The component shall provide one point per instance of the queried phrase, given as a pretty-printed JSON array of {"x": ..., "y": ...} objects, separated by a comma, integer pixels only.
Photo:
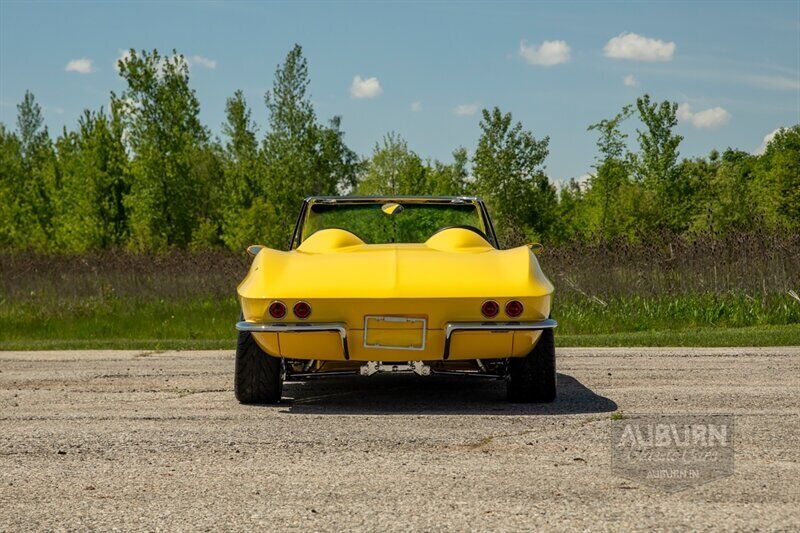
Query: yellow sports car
[{"x": 400, "y": 284}]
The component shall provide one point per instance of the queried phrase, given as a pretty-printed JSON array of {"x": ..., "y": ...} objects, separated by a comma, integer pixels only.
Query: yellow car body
[{"x": 395, "y": 302}]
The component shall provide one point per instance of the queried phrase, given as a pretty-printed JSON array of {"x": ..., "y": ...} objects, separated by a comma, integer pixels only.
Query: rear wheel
[
  {"x": 532, "y": 379},
  {"x": 258, "y": 376}
]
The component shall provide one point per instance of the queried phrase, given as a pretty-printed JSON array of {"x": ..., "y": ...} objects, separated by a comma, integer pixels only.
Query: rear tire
[
  {"x": 532, "y": 379},
  {"x": 258, "y": 377}
]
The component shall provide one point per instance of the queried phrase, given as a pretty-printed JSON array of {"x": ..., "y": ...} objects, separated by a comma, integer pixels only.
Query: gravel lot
[{"x": 144, "y": 440}]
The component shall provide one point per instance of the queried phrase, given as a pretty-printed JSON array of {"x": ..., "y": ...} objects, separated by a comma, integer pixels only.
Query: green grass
[
  {"x": 745, "y": 336},
  {"x": 142, "y": 323},
  {"x": 578, "y": 315},
  {"x": 693, "y": 320}
]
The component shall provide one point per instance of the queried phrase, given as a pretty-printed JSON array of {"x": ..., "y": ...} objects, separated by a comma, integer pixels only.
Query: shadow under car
[{"x": 408, "y": 394}]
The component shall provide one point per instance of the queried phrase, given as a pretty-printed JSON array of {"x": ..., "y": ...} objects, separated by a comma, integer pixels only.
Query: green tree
[
  {"x": 40, "y": 175},
  {"x": 173, "y": 184},
  {"x": 672, "y": 194},
  {"x": 93, "y": 165},
  {"x": 509, "y": 175},
  {"x": 715, "y": 198},
  {"x": 658, "y": 158},
  {"x": 245, "y": 190},
  {"x": 450, "y": 179},
  {"x": 336, "y": 160},
  {"x": 32, "y": 132},
  {"x": 301, "y": 156},
  {"x": 570, "y": 224},
  {"x": 607, "y": 215},
  {"x": 778, "y": 180},
  {"x": 394, "y": 169},
  {"x": 29, "y": 179},
  {"x": 16, "y": 216}
]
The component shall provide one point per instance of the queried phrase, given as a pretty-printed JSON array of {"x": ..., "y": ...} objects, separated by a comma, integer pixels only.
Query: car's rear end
[
  {"x": 453, "y": 303},
  {"x": 390, "y": 329}
]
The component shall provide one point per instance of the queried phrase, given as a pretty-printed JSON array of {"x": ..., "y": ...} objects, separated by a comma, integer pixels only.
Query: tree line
[{"x": 147, "y": 175}]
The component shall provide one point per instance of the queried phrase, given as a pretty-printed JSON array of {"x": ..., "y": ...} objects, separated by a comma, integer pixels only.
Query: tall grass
[
  {"x": 664, "y": 284},
  {"x": 111, "y": 274},
  {"x": 751, "y": 263}
]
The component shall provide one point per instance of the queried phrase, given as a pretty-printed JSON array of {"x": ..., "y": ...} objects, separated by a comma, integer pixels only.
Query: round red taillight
[
  {"x": 490, "y": 308},
  {"x": 514, "y": 308},
  {"x": 277, "y": 309},
  {"x": 301, "y": 310}
]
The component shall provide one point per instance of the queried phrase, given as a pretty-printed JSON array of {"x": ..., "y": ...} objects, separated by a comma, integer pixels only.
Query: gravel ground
[{"x": 147, "y": 440}]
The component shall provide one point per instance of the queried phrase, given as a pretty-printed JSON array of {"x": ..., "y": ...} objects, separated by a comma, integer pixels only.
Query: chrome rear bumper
[
  {"x": 452, "y": 327},
  {"x": 449, "y": 329},
  {"x": 338, "y": 327}
]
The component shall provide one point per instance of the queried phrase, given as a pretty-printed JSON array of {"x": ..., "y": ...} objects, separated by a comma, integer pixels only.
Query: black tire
[
  {"x": 532, "y": 379},
  {"x": 258, "y": 377}
]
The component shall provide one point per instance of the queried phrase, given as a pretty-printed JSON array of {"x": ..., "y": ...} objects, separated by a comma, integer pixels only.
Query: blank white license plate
[{"x": 395, "y": 332}]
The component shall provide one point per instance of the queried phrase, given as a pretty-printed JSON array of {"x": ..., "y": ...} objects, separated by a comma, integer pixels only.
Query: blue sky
[{"x": 735, "y": 66}]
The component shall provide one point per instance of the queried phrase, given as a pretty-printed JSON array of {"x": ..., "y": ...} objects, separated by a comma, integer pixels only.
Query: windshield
[{"x": 375, "y": 224}]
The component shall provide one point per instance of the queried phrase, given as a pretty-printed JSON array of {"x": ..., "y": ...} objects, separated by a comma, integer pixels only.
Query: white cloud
[
  {"x": 684, "y": 112},
  {"x": 767, "y": 139},
  {"x": 416, "y": 107},
  {"x": 201, "y": 61},
  {"x": 365, "y": 88},
  {"x": 81, "y": 66},
  {"x": 630, "y": 81},
  {"x": 711, "y": 118},
  {"x": 706, "y": 119},
  {"x": 774, "y": 82},
  {"x": 547, "y": 54},
  {"x": 464, "y": 110},
  {"x": 639, "y": 48}
]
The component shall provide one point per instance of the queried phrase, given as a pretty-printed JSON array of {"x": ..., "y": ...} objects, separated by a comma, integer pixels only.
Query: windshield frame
[{"x": 352, "y": 200}]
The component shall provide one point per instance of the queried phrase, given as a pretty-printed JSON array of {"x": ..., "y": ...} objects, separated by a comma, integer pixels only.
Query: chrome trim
[
  {"x": 334, "y": 200},
  {"x": 487, "y": 222},
  {"x": 341, "y": 328},
  {"x": 373, "y": 367},
  {"x": 452, "y": 327},
  {"x": 425, "y": 369},
  {"x": 253, "y": 249},
  {"x": 397, "y": 319},
  {"x": 382, "y": 199},
  {"x": 467, "y": 373},
  {"x": 304, "y": 327},
  {"x": 314, "y": 375}
]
